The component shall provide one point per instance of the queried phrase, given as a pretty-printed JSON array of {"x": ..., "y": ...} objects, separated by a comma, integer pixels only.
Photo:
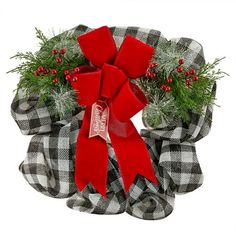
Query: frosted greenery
[{"x": 165, "y": 108}]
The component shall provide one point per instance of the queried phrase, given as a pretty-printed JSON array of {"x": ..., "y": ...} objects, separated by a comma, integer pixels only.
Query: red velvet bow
[{"x": 107, "y": 82}]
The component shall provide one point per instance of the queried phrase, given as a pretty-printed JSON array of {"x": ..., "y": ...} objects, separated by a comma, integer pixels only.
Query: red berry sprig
[
  {"x": 150, "y": 73},
  {"x": 77, "y": 70},
  {"x": 55, "y": 51},
  {"x": 58, "y": 60},
  {"x": 66, "y": 72},
  {"x": 36, "y": 73},
  {"x": 192, "y": 72},
  {"x": 189, "y": 75},
  {"x": 53, "y": 71},
  {"x": 188, "y": 82},
  {"x": 46, "y": 71},
  {"x": 68, "y": 77},
  {"x": 181, "y": 61},
  {"x": 39, "y": 71},
  {"x": 152, "y": 65},
  {"x": 74, "y": 79},
  {"x": 62, "y": 51},
  {"x": 55, "y": 80},
  {"x": 180, "y": 69},
  {"x": 169, "y": 80},
  {"x": 166, "y": 88}
]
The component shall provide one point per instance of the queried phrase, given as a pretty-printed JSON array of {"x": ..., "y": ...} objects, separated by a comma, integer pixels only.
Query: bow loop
[
  {"x": 98, "y": 46},
  {"x": 128, "y": 102},
  {"x": 133, "y": 57}
]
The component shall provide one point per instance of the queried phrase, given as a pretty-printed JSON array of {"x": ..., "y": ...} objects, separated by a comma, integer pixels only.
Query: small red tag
[{"x": 99, "y": 120}]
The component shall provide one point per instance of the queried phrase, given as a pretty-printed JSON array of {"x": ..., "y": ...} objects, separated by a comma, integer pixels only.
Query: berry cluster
[
  {"x": 41, "y": 71},
  {"x": 166, "y": 87},
  {"x": 59, "y": 52},
  {"x": 189, "y": 75},
  {"x": 150, "y": 73},
  {"x": 69, "y": 74}
]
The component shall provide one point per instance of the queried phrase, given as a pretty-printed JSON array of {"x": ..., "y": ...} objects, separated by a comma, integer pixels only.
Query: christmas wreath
[{"x": 78, "y": 93}]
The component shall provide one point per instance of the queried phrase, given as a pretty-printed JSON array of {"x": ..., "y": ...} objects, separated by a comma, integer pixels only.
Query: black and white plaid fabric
[{"x": 49, "y": 164}]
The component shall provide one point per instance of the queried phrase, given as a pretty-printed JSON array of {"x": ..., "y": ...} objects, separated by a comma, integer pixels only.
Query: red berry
[
  {"x": 77, "y": 69},
  {"x": 195, "y": 78},
  {"x": 181, "y": 61},
  {"x": 168, "y": 88},
  {"x": 68, "y": 77},
  {"x": 66, "y": 72},
  {"x": 53, "y": 71},
  {"x": 54, "y": 51},
  {"x": 155, "y": 64},
  {"x": 152, "y": 65},
  {"x": 188, "y": 82},
  {"x": 180, "y": 69},
  {"x": 46, "y": 71},
  {"x": 153, "y": 75},
  {"x": 40, "y": 69},
  {"x": 163, "y": 87},
  {"x": 36, "y": 73},
  {"x": 148, "y": 74},
  {"x": 186, "y": 73},
  {"x": 192, "y": 72},
  {"x": 74, "y": 79},
  {"x": 58, "y": 60},
  {"x": 55, "y": 80},
  {"x": 169, "y": 80},
  {"x": 63, "y": 51}
]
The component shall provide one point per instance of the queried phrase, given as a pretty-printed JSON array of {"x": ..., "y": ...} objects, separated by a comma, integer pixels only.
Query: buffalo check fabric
[{"x": 49, "y": 163}]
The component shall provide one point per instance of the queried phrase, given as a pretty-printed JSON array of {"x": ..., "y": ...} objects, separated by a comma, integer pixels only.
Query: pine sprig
[
  {"x": 43, "y": 40},
  {"x": 174, "y": 87},
  {"x": 63, "y": 101},
  {"x": 56, "y": 55}
]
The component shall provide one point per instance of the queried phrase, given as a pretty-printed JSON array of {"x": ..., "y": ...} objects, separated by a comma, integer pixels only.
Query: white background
[{"x": 210, "y": 209}]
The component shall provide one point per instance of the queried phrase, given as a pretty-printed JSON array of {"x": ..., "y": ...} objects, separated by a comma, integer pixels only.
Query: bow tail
[
  {"x": 91, "y": 161},
  {"x": 132, "y": 155}
]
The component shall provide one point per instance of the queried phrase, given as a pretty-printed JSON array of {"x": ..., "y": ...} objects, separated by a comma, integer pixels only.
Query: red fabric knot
[{"x": 105, "y": 89}]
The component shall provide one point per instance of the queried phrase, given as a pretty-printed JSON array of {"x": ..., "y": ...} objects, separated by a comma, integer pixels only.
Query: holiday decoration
[
  {"x": 109, "y": 85},
  {"x": 77, "y": 95}
]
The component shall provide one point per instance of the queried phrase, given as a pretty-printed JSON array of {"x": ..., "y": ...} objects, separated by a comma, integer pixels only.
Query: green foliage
[
  {"x": 42, "y": 83},
  {"x": 63, "y": 101},
  {"x": 182, "y": 93},
  {"x": 159, "y": 113},
  {"x": 166, "y": 107}
]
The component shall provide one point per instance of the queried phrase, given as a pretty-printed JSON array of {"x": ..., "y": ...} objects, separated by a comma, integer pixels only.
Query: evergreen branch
[
  {"x": 43, "y": 39},
  {"x": 184, "y": 94},
  {"x": 34, "y": 82}
]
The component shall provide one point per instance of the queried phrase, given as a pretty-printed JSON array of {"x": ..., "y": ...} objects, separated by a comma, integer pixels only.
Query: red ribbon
[{"x": 107, "y": 80}]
